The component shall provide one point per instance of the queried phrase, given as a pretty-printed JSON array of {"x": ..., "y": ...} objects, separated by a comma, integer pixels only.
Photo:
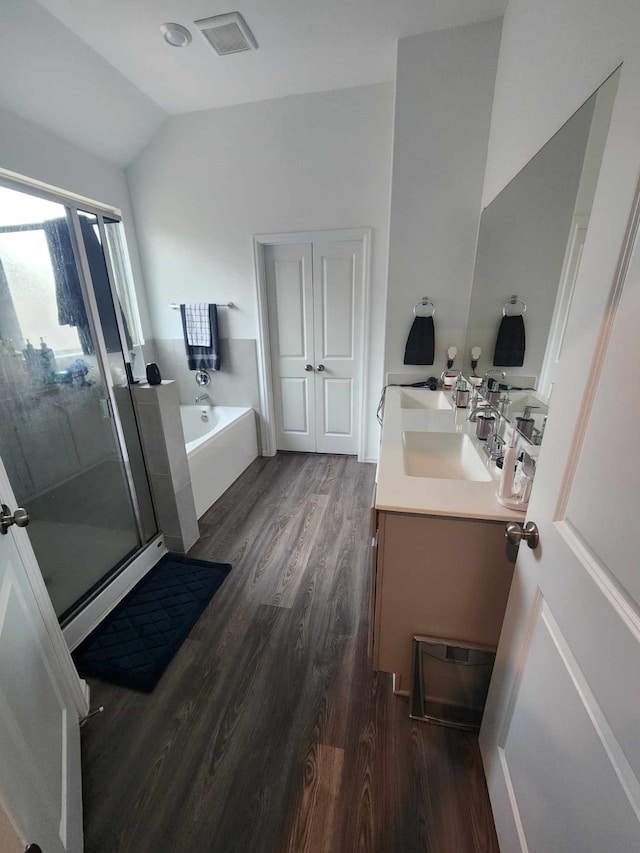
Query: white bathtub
[{"x": 218, "y": 450}]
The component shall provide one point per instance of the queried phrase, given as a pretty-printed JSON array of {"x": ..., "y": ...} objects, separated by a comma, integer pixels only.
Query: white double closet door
[{"x": 315, "y": 306}]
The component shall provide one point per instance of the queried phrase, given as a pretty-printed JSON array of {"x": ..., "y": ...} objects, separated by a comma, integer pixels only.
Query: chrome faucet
[
  {"x": 483, "y": 407},
  {"x": 504, "y": 403},
  {"x": 493, "y": 395},
  {"x": 202, "y": 397},
  {"x": 487, "y": 375},
  {"x": 495, "y": 442}
]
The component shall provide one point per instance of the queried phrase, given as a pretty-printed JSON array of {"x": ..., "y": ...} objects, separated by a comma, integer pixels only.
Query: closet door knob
[
  {"x": 308, "y": 367},
  {"x": 320, "y": 368}
]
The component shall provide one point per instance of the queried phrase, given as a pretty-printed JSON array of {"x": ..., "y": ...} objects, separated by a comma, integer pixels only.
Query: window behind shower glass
[{"x": 123, "y": 280}]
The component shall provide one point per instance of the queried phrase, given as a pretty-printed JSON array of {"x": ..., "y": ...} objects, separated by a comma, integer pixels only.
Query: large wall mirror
[{"x": 529, "y": 248}]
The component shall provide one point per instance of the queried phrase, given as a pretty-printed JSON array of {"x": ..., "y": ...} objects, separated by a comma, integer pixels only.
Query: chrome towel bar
[{"x": 176, "y": 305}]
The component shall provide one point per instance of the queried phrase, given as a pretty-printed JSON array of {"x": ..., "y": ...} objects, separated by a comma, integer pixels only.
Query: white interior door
[
  {"x": 315, "y": 306},
  {"x": 41, "y": 698},
  {"x": 289, "y": 274},
  {"x": 337, "y": 305},
  {"x": 561, "y": 734}
]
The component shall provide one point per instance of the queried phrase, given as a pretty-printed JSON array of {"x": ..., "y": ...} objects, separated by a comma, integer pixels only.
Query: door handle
[
  {"x": 308, "y": 367},
  {"x": 515, "y": 533},
  {"x": 20, "y": 518},
  {"x": 320, "y": 368}
]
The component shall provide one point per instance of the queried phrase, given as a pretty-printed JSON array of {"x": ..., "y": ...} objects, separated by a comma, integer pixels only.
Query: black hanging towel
[
  {"x": 203, "y": 358},
  {"x": 420, "y": 347},
  {"x": 510, "y": 342}
]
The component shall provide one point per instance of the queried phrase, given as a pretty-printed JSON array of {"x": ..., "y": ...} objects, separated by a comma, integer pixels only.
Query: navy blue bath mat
[{"x": 136, "y": 641}]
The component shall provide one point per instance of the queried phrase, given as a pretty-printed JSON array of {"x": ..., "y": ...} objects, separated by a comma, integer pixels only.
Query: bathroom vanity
[{"x": 439, "y": 566}]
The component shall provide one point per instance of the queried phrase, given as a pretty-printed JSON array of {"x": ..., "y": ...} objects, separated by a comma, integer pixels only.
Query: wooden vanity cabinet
[{"x": 434, "y": 576}]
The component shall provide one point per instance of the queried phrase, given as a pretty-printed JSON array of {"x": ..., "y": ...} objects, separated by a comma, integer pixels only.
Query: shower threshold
[{"x": 80, "y": 624}]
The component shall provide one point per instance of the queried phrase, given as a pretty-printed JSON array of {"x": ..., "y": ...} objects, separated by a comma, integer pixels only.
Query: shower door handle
[{"x": 20, "y": 518}]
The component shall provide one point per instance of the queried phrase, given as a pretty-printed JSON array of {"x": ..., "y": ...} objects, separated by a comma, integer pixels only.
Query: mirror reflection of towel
[
  {"x": 510, "y": 342},
  {"x": 420, "y": 347}
]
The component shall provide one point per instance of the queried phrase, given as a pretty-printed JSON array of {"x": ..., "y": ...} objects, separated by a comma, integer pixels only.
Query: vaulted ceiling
[{"x": 80, "y": 67}]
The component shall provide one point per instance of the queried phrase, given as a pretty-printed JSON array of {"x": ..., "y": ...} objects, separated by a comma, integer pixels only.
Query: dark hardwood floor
[{"x": 269, "y": 733}]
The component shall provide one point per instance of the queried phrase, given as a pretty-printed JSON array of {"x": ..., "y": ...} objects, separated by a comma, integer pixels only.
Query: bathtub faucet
[{"x": 202, "y": 397}]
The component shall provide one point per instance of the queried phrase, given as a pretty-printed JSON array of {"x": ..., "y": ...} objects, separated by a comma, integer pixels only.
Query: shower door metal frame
[
  {"x": 72, "y": 204},
  {"x": 102, "y": 355}
]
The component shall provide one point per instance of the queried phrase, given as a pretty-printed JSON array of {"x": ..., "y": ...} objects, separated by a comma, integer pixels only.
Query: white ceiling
[
  {"x": 304, "y": 45},
  {"x": 98, "y": 72}
]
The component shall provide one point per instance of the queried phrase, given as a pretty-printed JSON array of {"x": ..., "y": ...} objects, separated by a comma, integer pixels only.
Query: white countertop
[{"x": 399, "y": 492}]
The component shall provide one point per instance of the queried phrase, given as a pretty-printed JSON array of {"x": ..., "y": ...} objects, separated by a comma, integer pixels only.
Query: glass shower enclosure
[{"x": 68, "y": 434}]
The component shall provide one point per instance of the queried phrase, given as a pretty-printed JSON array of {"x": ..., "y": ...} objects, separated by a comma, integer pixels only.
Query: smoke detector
[{"x": 227, "y": 33}]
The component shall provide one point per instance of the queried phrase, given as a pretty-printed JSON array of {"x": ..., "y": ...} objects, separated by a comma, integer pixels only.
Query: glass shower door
[
  {"x": 58, "y": 437},
  {"x": 116, "y": 333}
]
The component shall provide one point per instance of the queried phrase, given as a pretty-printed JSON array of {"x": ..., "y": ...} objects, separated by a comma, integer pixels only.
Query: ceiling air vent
[{"x": 227, "y": 33}]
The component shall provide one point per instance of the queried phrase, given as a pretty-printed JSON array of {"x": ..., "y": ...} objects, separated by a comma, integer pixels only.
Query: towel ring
[
  {"x": 514, "y": 300},
  {"x": 424, "y": 302}
]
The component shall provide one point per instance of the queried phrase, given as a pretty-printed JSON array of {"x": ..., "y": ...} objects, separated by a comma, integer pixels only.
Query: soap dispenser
[
  {"x": 506, "y": 496},
  {"x": 462, "y": 393},
  {"x": 525, "y": 423}
]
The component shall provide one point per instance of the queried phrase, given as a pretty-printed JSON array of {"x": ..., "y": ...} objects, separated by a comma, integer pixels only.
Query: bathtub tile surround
[
  {"x": 165, "y": 453},
  {"x": 236, "y": 384},
  {"x": 149, "y": 354},
  {"x": 187, "y": 520}
]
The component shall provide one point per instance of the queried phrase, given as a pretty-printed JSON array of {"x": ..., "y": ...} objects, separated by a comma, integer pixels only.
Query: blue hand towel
[{"x": 203, "y": 358}]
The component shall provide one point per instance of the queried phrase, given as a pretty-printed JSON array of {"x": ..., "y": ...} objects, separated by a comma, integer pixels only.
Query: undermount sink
[
  {"x": 424, "y": 399},
  {"x": 442, "y": 456}
]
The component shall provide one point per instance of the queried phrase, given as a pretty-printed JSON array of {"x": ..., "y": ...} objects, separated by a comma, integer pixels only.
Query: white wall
[
  {"x": 210, "y": 180},
  {"x": 553, "y": 56},
  {"x": 34, "y": 152},
  {"x": 443, "y": 105},
  {"x": 52, "y": 77}
]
